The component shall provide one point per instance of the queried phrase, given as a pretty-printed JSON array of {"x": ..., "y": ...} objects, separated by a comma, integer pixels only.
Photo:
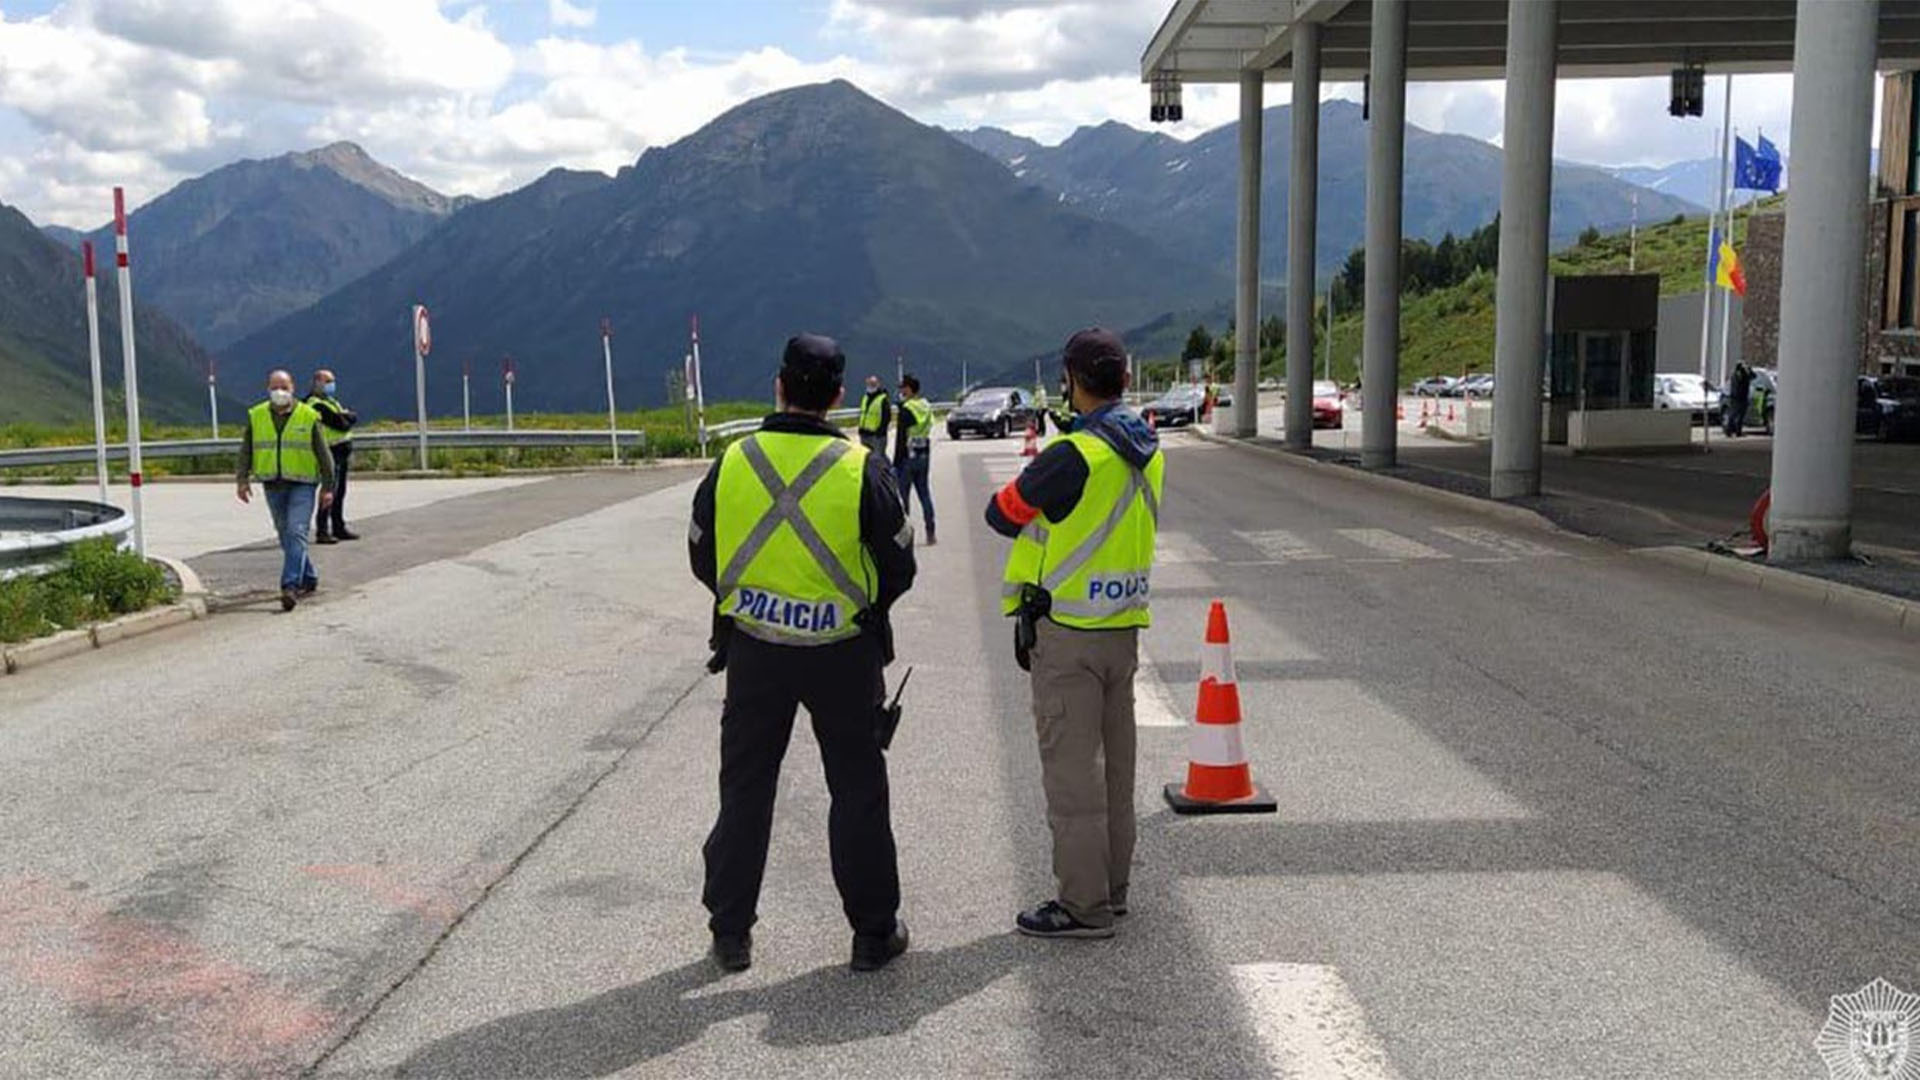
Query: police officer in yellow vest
[
  {"x": 801, "y": 538},
  {"x": 283, "y": 446},
  {"x": 336, "y": 423},
  {"x": 913, "y": 451},
  {"x": 1083, "y": 515},
  {"x": 876, "y": 415}
]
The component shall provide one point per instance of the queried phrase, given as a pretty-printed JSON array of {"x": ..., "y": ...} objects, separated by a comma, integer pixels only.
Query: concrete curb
[
  {"x": 66, "y": 643},
  {"x": 1451, "y": 500},
  {"x": 1863, "y": 604},
  {"x": 190, "y": 583}
]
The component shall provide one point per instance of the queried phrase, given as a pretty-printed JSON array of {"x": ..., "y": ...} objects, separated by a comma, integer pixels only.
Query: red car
[{"x": 1329, "y": 407}]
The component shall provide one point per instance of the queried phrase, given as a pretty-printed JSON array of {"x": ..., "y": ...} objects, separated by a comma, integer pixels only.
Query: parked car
[
  {"x": 1222, "y": 394},
  {"x": 1475, "y": 386},
  {"x": 1329, "y": 406},
  {"x": 1180, "y": 405},
  {"x": 1690, "y": 392},
  {"x": 1434, "y": 386},
  {"x": 994, "y": 412},
  {"x": 1889, "y": 407}
]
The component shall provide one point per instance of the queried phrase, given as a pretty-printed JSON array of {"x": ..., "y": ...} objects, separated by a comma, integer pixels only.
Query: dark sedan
[
  {"x": 1180, "y": 405},
  {"x": 1889, "y": 407},
  {"x": 994, "y": 412}
]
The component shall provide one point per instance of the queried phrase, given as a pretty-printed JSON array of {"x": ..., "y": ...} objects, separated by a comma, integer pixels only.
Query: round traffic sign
[{"x": 422, "y": 332}]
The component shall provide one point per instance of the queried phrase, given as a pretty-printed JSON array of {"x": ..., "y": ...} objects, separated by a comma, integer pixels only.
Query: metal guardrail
[
  {"x": 742, "y": 427},
  {"x": 46, "y": 528},
  {"x": 379, "y": 440}
]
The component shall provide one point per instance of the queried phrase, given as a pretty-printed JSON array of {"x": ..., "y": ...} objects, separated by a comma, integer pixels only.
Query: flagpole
[
  {"x": 1726, "y": 306},
  {"x": 1720, "y": 207}
]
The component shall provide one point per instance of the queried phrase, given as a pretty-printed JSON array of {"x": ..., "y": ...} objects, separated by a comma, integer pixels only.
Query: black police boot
[
  {"x": 733, "y": 952},
  {"x": 874, "y": 953}
]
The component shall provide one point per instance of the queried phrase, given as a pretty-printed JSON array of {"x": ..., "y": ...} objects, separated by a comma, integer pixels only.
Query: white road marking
[
  {"x": 1310, "y": 1023},
  {"x": 1172, "y": 548},
  {"x": 1153, "y": 704},
  {"x": 1279, "y": 545},
  {"x": 1501, "y": 543},
  {"x": 1391, "y": 545}
]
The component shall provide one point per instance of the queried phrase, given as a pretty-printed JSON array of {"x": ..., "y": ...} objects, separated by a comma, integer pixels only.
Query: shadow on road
[{"x": 621, "y": 1028}]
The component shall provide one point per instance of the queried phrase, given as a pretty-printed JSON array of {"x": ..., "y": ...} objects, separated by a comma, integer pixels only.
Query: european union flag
[{"x": 1755, "y": 170}]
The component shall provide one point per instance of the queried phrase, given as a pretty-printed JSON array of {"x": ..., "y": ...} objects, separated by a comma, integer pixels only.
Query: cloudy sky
[{"x": 480, "y": 96}]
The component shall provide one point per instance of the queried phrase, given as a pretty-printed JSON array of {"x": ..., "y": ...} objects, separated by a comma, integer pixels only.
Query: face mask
[
  {"x": 329, "y": 389},
  {"x": 280, "y": 398}
]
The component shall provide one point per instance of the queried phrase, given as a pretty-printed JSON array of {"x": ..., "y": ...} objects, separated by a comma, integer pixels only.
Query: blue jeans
[
  {"x": 292, "y": 508},
  {"x": 911, "y": 475}
]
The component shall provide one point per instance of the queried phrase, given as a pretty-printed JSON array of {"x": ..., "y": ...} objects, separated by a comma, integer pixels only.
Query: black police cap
[
  {"x": 813, "y": 357},
  {"x": 1093, "y": 349}
]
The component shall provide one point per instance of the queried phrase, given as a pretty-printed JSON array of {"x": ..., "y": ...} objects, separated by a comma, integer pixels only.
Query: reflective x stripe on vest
[
  {"x": 920, "y": 433},
  {"x": 1095, "y": 564},
  {"x": 804, "y": 597},
  {"x": 286, "y": 452},
  {"x": 870, "y": 412}
]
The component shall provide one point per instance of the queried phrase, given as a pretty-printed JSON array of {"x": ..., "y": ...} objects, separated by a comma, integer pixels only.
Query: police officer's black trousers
[{"x": 841, "y": 685}]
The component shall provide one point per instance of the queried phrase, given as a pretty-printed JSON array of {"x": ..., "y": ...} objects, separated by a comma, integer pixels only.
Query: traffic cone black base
[{"x": 1257, "y": 803}]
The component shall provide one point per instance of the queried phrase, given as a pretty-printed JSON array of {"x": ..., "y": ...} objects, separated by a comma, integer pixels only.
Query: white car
[{"x": 1689, "y": 392}]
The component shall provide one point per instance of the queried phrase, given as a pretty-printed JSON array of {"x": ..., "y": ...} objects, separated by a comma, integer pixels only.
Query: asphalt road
[{"x": 1547, "y": 809}]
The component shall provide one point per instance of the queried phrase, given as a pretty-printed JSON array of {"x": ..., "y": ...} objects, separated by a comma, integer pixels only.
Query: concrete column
[
  {"x": 1526, "y": 196},
  {"x": 1302, "y": 212},
  {"x": 1246, "y": 356},
  {"x": 1386, "y": 146},
  {"x": 1823, "y": 270}
]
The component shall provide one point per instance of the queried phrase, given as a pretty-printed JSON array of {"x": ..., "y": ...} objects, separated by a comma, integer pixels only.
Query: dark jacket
[
  {"x": 886, "y": 409},
  {"x": 883, "y": 523},
  {"x": 333, "y": 414},
  {"x": 1053, "y": 483}
]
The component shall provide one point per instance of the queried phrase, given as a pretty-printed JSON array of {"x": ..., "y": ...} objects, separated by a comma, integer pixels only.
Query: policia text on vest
[{"x": 801, "y": 538}]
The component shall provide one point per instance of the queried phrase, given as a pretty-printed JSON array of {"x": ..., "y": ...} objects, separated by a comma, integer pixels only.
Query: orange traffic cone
[
  {"x": 1219, "y": 781},
  {"x": 1425, "y": 412},
  {"x": 1032, "y": 445},
  {"x": 1449, "y": 412}
]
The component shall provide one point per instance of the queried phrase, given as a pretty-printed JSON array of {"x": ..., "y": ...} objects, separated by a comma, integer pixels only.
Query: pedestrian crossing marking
[
  {"x": 1280, "y": 545},
  {"x": 1387, "y": 544},
  {"x": 1310, "y": 1022},
  {"x": 1153, "y": 704},
  {"x": 1504, "y": 544},
  {"x": 1172, "y": 549}
]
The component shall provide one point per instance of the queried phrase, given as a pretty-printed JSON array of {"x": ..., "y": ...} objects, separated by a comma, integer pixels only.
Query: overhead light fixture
[
  {"x": 1165, "y": 99},
  {"x": 1689, "y": 97}
]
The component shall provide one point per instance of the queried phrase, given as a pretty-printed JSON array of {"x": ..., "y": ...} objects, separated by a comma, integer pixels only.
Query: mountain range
[
  {"x": 45, "y": 372},
  {"x": 1185, "y": 194},
  {"x": 813, "y": 208},
  {"x": 228, "y": 252},
  {"x": 817, "y": 208}
]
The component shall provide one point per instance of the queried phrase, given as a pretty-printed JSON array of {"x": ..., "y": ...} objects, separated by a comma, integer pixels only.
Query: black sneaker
[
  {"x": 1050, "y": 920},
  {"x": 345, "y": 534},
  {"x": 874, "y": 953},
  {"x": 733, "y": 952},
  {"x": 288, "y": 598},
  {"x": 324, "y": 538}
]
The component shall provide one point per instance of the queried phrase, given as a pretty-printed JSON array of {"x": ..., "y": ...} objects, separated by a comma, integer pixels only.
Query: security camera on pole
[
  {"x": 99, "y": 389},
  {"x": 132, "y": 377},
  {"x": 613, "y": 422},
  {"x": 422, "y": 345}
]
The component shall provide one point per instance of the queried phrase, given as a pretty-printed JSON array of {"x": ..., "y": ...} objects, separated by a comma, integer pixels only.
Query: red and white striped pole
[
  {"x": 699, "y": 390},
  {"x": 132, "y": 379},
  {"x": 99, "y": 387},
  {"x": 613, "y": 422}
]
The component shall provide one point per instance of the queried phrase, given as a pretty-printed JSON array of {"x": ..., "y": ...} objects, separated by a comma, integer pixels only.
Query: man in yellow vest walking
[
  {"x": 283, "y": 446},
  {"x": 913, "y": 451},
  {"x": 1083, "y": 515},
  {"x": 801, "y": 538}
]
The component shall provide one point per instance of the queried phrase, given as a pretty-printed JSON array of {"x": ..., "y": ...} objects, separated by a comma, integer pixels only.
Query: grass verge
[{"x": 97, "y": 582}]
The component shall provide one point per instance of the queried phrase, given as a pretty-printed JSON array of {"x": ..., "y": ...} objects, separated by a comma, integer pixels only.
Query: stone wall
[{"x": 1760, "y": 328}]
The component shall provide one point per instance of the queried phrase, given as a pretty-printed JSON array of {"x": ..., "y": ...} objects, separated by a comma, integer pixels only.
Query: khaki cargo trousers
[{"x": 1083, "y": 715}]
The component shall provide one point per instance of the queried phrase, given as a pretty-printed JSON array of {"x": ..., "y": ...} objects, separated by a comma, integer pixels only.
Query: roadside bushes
[{"x": 98, "y": 581}]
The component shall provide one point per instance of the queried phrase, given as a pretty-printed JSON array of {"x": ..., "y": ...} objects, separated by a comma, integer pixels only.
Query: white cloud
[{"x": 570, "y": 16}]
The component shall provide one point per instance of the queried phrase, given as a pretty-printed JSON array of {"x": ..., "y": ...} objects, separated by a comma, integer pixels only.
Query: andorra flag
[{"x": 1725, "y": 270}]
